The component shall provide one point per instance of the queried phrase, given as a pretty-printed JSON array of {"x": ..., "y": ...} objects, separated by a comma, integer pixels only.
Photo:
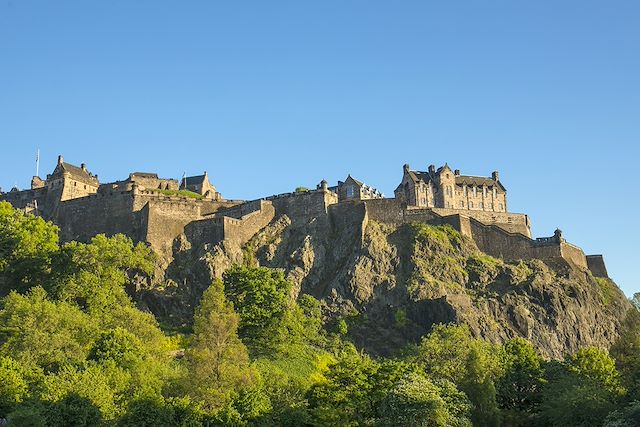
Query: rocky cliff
[{"x": 392, "y": 282}]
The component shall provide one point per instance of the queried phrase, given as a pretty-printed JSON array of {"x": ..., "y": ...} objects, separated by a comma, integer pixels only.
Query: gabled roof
[
  {"x": 358, "y": 183},
  {"x": 73, "y": 170},
  {"x": 194, "y": 180}
]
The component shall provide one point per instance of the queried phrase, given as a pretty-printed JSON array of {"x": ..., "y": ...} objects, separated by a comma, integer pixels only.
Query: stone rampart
[
  {"x": 512, "y": 222},
  {"x": 82, "y": 218},
  {"x": 573, "y": 254},
  {"x": 241, "y": 230},
  {"x": 304, "y": 205},
  {"x": 597, "y": 266}
]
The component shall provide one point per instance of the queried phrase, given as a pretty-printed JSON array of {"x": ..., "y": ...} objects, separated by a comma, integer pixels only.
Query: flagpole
[{"x": 38, "y": 163}]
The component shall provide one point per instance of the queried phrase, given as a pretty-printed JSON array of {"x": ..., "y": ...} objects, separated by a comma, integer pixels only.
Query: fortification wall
[
  {"x": 350, "y": 215},
  {"x": 389, "y": 211},
  {"x": 596, "y": 266},
  {"x": 311, "y": 204},
  {"x": 239, "y": 230},
  {"x": 25, "y": 199},
  {"x": 81, "y": 219},
  {"x": 499, "y": 243},
  {"x": 239, "y": 210},
  {"x": 573, "y": 254},
  {"x": 166, "y": 220},
  {"x": 243, "y": 229},
  {"x": 209, "y": 230},
  {"x": 511, "y": 222}
]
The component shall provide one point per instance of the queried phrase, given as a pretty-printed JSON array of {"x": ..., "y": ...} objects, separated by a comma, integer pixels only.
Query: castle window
[
  {"x": 350, "y": 191},
  {"x": 75, "y": 184},
  {"x": 481, "y": 205},
  {"x": 85, "y": 187},
  {"x": 501, "y": 207},
  {"x": 461, "y": 204},
  {"x": 475, "y": 191},
  {"x": 471, "y": 204}
]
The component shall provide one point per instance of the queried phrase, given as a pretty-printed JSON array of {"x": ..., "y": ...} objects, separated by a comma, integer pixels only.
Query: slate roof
[
  {"x": 478, "y": 181},
  {"x": 194, "y": 180},
  {"x": 426, "y": 177},
  {"x": 74, "y": 170}
]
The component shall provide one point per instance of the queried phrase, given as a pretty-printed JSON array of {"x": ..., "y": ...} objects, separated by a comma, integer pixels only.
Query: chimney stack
[
  {"x": 456, "y": 172},
  {"x": 432, "y": 169},
  {"x": 495, "y": 175},
  {"x": 406, "y": 167},
  {"x": 83, "y": 167},
  {"x": 60, "y": 159}
]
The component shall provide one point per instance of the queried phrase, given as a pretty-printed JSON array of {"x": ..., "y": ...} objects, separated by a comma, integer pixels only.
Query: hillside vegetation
[{"x": 414, "y": 328}]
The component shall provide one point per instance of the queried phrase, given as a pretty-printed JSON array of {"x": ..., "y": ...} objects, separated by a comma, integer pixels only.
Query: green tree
[
  {"x": 95, "y": 275},
  {"x": 626, "y": 351},
  {"x": 148, "y": 412},
  {"x": 345, "y": 395},
  {"x": 519, "y": 389},
  {"x": 217, "y": 361},
  {"x": 39, "y": 332},
  {"x": 448, "y": 352},
  {"x": 27, "y": 247},
  {"x": 261, "y": 296},
  {"x": 629, "y": 416},
  {"x": 72, "y": 410},
  {"x": 14, "y": 387},
  {"x": 417, "y": 401},
  {"x": 104, "y": 386},
  {"x": 570, "y": 399},
  {"x": 596, "y": 365},
  {"x": 117, "y": 345}
]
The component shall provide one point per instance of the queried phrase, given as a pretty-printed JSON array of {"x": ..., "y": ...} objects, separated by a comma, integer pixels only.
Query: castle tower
[{"x": 446, "y": 185}]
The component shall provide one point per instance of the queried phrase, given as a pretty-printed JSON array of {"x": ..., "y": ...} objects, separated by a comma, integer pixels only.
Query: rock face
[{"x": 393, "y": 282}]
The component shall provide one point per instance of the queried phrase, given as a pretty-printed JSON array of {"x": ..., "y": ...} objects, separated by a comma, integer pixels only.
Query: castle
[{"x": 158, "y": 210}]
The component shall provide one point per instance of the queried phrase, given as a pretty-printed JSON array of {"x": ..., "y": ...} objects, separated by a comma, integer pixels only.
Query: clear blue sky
[{"x": 269, "y": 95}]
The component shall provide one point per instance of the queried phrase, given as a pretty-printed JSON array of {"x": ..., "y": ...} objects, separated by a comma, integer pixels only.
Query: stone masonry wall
[
  {"x": 81, "y": 219},
  {"x": 573, "y": 254},
  {"x": 302, "y": 206},
  {"x": 597, "y": 266},
  {"x": 512, "y": 222}
]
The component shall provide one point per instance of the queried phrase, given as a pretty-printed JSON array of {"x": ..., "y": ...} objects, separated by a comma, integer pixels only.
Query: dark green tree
[{"x": 519, "y": 388}]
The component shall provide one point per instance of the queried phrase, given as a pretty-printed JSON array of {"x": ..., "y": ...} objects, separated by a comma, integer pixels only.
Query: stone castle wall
[
  {"x": 502, "y": 235},
  {"x": 81, "y": 219},
  {"x": 597, "y": 266},
  {"x": 512, "y": 222},
  {"x": 304, "y": 205}
]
